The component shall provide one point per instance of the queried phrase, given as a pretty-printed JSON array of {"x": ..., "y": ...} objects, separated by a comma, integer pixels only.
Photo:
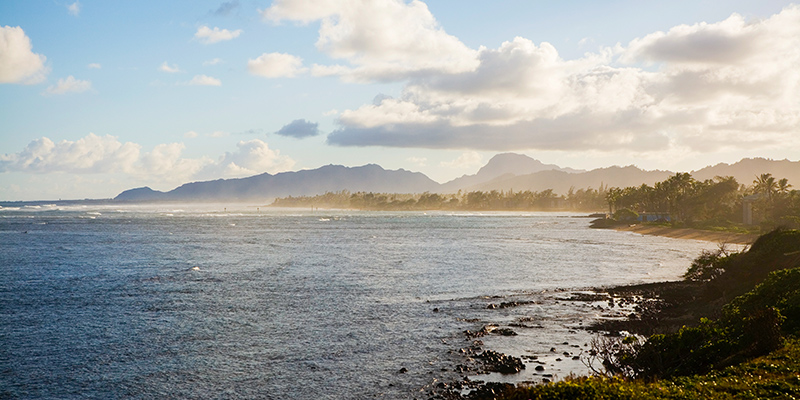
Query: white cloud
[
  {"x": 382, "y": 40},
  {"x": 74, "y": 8},
  {"x": 190, "y": 134},
  {"x": 172, "y": 69},
  {"x": 707, "y": 87},
  {"x": 252, "y": 157},
  {"x": 18, "y": 63},
  {"x": 219, "y": 134},
  {"x": 203, "y": 80},
  {"x": 92, "y": 154},
  {"x": 465, "y": 160},
  {"x": 69, "y": 85},
  {"x": 207, "y": 35},
  {"x": 94, "y": 66},
  {"x": 276, "y": 65},
  {"x": 330, "y": 112},
  {"x": 213, "y": 62},
  {"x": 164, "y": 163},
  {"x": 95, "y": 154}
]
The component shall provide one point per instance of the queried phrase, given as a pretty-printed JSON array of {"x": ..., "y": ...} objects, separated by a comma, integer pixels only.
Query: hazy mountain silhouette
[
  {"x": 506, "y": 164},
  {"x": 506, "y": 171},
  {"x": 330, "y": 178},
  {"x": 561, "y": 181},
  {"x": 747, "y": 169}
]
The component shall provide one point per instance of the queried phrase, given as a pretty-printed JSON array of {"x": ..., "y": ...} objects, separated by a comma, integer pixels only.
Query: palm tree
[
  {"x": 766, "y": 184},
  {"x": 783, "y": 186}
]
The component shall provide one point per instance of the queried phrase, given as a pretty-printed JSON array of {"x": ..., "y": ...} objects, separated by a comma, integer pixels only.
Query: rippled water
[{"x": 221, "y": 301}]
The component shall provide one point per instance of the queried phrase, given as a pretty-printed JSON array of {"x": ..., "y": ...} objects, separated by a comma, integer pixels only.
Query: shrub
[{"x": 710, "y": 264}]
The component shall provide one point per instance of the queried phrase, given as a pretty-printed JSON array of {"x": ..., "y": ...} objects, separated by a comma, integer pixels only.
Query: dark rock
[
  {"x": 505, "y": 332},
  {"x": 402, "y": 370},
  {"x": 499, "y": 362}
]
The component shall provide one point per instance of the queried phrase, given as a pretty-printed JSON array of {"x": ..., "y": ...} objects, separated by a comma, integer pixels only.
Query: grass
[{"x": 774, "y": 376}]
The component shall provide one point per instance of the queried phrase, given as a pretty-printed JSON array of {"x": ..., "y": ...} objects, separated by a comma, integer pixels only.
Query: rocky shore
[
  {"x": 665, "y": 307},
  {"x": 481, "y": 369}
]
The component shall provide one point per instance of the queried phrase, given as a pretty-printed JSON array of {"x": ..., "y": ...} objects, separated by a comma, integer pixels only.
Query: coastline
[{"x": 689, "y": 233}]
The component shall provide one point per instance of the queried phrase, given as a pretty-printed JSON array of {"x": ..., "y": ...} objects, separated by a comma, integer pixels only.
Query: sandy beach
[{"x": 687, "y": 233}]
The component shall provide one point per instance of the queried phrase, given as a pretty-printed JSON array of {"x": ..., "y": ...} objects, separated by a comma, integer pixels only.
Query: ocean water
[{"x": 223, "y": 301}]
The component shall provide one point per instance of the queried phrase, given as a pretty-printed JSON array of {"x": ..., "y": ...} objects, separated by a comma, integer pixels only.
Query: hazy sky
[{"x": 101, "y": 96}]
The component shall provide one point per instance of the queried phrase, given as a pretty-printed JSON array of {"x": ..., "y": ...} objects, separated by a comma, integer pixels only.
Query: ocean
[{"x": 236, "y": 301}]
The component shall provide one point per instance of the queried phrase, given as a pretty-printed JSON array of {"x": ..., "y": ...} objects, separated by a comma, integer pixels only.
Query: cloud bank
[
  {"x": 95, "y": 154},
  {"x": 706, "y": 87}
]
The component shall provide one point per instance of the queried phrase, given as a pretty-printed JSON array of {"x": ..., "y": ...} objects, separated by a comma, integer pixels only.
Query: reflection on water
[{"x": 224, "y": 301}]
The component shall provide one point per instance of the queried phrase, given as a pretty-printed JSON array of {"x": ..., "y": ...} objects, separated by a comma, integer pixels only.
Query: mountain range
[{"x": 503, "y": 172}]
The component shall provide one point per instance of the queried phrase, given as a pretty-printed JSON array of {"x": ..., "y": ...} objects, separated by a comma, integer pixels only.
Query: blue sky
[{"x": 97, "y": 97}]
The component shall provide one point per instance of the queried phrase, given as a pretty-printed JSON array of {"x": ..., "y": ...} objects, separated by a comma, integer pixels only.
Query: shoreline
[{"x": 689, "y": 233}]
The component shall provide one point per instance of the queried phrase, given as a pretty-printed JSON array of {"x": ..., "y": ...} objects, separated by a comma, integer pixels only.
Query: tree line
[
  {"x": 495, "y": 200},
  {"x": 681, "y": 199},
  {"x": 685, "y": 200}
]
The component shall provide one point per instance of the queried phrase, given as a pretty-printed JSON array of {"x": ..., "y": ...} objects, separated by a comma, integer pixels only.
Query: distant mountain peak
[{"x": 501, "y": 165}]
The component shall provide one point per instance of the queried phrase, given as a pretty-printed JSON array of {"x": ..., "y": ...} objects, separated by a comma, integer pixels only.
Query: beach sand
[{"x": 687, "y": 233}]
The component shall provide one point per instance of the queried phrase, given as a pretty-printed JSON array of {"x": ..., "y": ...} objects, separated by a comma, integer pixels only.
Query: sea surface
[{"x": 235, "y": 301}]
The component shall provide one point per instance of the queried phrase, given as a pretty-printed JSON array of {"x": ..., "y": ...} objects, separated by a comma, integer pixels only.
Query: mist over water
[{"x": 222, "y": 301}]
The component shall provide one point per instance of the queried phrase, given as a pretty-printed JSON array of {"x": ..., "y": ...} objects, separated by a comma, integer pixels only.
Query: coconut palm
[
  {"x": 766, "y": 184},
  {"x": 783, "y": 185}
]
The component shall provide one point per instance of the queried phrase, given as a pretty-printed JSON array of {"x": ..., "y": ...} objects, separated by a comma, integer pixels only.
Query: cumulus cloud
[
  {"x": 252, "y": 157},
  {"x": 299, "y": 129},
  {"x": 276, "y": 65},
  {"x": 69, "y": 85},
  {"x": 92, "y": 154},
  {"x": 381, "y": 40},
  {"x": 18, "y": 62},
  {"x": 190, "y": 134},
  {"x": 172, "y": 69},
  {"x": 203, "y": 80},
  {"x": 95, "y": 154},
  {"x": 74, "y": 8},
  {"x": 729, "y": 85},
  {"x": 207, "y": 35},
  {"x": 94, "y": 66}
]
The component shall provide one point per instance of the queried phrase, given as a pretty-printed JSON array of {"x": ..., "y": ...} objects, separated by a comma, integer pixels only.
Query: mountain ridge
[{"x": 506, "y": 171}]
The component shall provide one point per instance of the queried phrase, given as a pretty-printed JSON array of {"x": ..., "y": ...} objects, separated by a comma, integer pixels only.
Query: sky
[{"x": 97, "y": 97}]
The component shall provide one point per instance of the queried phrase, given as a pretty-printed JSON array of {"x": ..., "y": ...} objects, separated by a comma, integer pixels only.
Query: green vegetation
[
  {"x": 752, "y": 351},
  {"x": 713, "y": 204},
  {"x": 680, "y": 202}
]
